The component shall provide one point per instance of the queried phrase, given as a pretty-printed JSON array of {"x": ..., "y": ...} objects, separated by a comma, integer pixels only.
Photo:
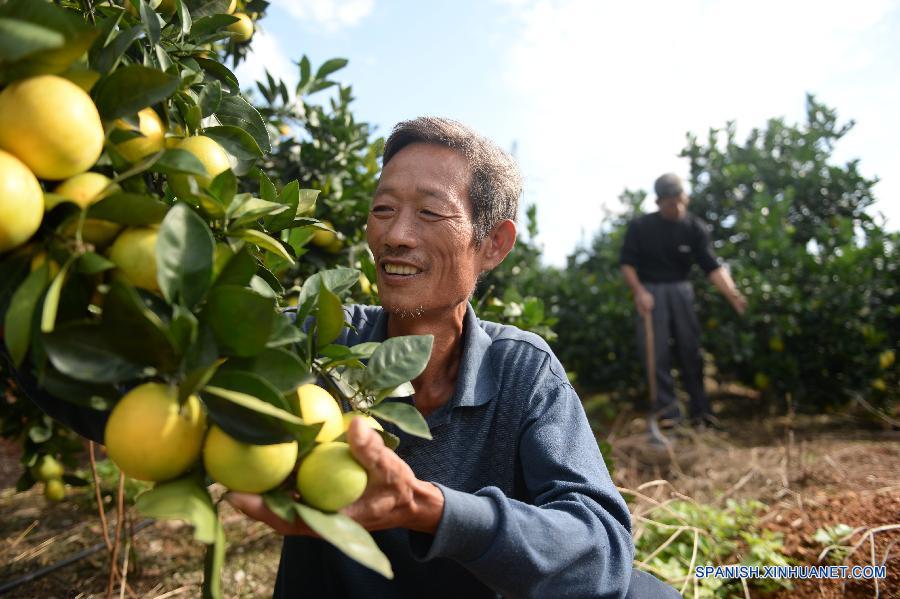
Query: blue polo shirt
[{"x": 529, "y": 507}]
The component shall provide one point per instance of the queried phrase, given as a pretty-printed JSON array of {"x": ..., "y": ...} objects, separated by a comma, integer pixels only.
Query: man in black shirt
[{"x": 656, "y": 258}]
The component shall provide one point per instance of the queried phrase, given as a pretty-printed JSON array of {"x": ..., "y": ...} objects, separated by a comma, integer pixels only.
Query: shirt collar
[{"x": 475, "y": 381}]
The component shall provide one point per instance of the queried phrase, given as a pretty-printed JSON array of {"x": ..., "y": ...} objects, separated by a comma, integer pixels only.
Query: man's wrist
[{"x": 427, "y": 507}]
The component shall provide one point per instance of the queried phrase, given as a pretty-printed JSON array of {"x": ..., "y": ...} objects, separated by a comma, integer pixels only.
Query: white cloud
[
  {"x": 329, "y": 14},
  {"x": 608, "y": 90},
  {"x": 266, "y": 53}
]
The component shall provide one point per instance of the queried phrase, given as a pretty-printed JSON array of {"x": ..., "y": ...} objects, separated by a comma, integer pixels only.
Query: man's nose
[{"x": 402, "y": 231}]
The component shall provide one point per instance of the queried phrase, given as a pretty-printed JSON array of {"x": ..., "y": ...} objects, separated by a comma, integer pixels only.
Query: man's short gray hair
[{"x": 496, "y": 184}]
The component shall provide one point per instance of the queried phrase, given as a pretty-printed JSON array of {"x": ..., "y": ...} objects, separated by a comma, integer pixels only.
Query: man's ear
[{"x": 497, "y": 245}]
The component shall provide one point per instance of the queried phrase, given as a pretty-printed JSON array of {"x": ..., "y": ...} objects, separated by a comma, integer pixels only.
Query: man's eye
[
  {"x": 381, "y": 209},
  {"x": 430, "y": 214}
]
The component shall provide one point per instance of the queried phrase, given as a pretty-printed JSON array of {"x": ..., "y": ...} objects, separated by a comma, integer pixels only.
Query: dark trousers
[{"x": 674, "y": 320}]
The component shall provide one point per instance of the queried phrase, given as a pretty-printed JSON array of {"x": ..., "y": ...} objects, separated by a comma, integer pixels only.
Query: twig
[
  {"x": 103, "y": 523},
  {"x": 693, "y": 560},
  {"x": 120, "y": 507},
  {"x": 19, "y": 538},
  {"x": 857, "y": 398},
  {"x": 178, "y": 591},
  {"x": 124, "y": 584},
  {"x": 874, "y": 563}
]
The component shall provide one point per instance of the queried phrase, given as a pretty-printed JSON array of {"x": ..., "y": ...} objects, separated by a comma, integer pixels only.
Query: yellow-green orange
[
  {"x": 151, "y": 139},
  {"x": 149, "y": 436},
  {"x": 51, "y": 125},
  {"x": 317, "y": 405},
  {"x": 323, "y": 238},
  {"x": 210, "y": 154},
  {"x": 21, "y": 202},
  {"x": 83, "y": 189},
  {"x": 47, "y": 468},
  {"x": 134, "y": 253},
  {"x": 55, "y": 489},
  {"x": 368, "y": 420},
  {"x": 242, "y": 29},
  {"x": 244, "y": 467},
  {"x": 886, "y": 359},
  {"x": 330, "y": 478},
  {"x": 86, "y": 189}
]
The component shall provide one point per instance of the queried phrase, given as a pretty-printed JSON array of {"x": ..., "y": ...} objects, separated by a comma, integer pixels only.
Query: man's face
[
  {"x": 673, "y": 208},
  {"x": 420, "y": 232}
]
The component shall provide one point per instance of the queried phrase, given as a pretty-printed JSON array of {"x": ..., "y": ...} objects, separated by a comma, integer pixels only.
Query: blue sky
[{"x": 596, "y": 96}]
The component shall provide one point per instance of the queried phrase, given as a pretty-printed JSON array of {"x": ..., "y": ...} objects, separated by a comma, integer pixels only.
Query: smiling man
[{"x": 511, "y": 497}]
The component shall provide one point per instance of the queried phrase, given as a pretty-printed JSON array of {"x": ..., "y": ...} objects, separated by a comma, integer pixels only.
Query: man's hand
[
  {"x": 738, "y": 302},
  {"x": 643, "y": 301},
  {"x": 394, "y": 497}
]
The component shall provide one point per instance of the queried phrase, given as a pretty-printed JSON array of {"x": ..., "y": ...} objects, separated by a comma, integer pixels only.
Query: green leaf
[
  {"x": 224, "y": 187},
  {"x": 329, "y": 317},
  {"x": 280, "y": 502},
  {"x": 150, "y": 20},
  {"x": 330, "y": 66},
  {"x": 220, "y": 72},
  {"x": 91, "y": 263},
  {"x": 282, "y": 368},
  {"x": 265, "y": 242},
  {"x": 20, "y": 314},
  {"x": 307, "y": 201},
  {"x": 210, "y": 97},
  {"x": 348, "y": 536},
  {"x": 184, "y": 15},
  {"x": 253, "y": 209},
  {"x": 213, "y": 7},
  {"x": 305, "y": 75},
  {"x": 196, "y": 380},
  {"x": 129, "y": 209},
  {"x": 212, "y": 23},
  {"x": 184, "y": 328},
  {"x": 129, "y": 89},
  {"x": 89, "y": 395},
  {"x": 135, "y": 331},
  {"x": 285, "y": 333},
  {"x": 236, "y": 141},
  {"x": 214, "y": 558},
  {"x": 252, "y": 403},
  {"x": 50, "y": 59},
  {"x": 290, "y": 197},
  {"x": 338, "y": 280},
  {"x": 239, "y": 269},
  {"x": 405, "y": 416},
  {"x": 21, "y": 38},
  {"x": 182, "y": 499},
  {"x": 51, "y": 300},
  {"x": 84, "y": 352},
  {"x": 109, "y": 57},
  {"x": 240, "y": 318},
  {"x": 184, "y": 256},
  {"x": 236, "y": 111},
  {"x": 174, "y": 161},
  {"x": 398, "y": 360}
]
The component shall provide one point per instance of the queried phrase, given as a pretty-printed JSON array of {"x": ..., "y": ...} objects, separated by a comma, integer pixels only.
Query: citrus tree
[
  {"x": 137, "y": 238},
  {"x": 818, "y": 268},
  {"x": 797, "y": 230}
]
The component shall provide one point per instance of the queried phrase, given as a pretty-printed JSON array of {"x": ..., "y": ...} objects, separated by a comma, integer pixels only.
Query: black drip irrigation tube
[{"x": 9, "y": 585}]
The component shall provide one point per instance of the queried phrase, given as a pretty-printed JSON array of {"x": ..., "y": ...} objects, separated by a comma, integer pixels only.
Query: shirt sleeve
[
  {"x": 573, "y": 539},
  {"x": 702, "y": 249},
  {"x": 630, "y": 248}
]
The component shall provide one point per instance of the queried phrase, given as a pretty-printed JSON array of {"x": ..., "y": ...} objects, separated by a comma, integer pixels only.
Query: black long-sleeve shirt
[{"x": 662, "y": 251}]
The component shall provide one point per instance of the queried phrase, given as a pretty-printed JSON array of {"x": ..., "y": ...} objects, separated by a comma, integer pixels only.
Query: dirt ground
[{"x": 810, "y": 472}]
